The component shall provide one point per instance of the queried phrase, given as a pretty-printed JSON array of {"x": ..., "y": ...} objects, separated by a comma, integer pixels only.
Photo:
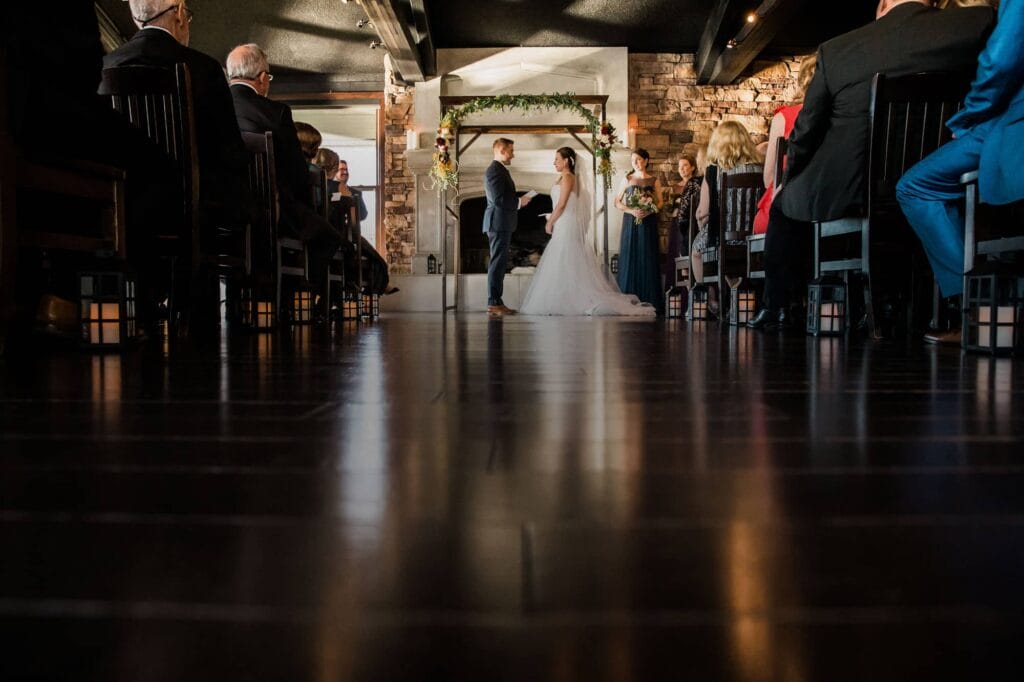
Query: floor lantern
[
  {"x": 370, "y": 306},
  {"x": 993, "y": 310},
  {"x": 303, "y": 306},
  {"x": 351, "y": 303},
  {"x": 107, "y": 300},
  {"x": 826, "y": 306},
  {"x": 699, "y": 303},
  {"x": 744, "y": 304},
  {"x": 613, "y": 264},
  {"x": 256, "y": 314},
  {"x": 674, "y": 307}
]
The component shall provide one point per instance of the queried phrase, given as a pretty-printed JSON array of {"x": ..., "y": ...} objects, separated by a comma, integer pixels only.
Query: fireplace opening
[{"x": 528, "y": 241}]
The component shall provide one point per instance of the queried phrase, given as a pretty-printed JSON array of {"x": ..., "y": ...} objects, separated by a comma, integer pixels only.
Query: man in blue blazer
[
  {"x": 989, "y": 137},
  {"x": 500, "y": 218}
]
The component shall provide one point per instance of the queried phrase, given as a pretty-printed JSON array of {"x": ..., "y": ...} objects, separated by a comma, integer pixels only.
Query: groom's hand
[{"x": 524, "y": 200}]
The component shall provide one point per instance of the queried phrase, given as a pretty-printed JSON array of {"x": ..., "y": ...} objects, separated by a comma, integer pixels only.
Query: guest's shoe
[
  {"x": 782, "y": 321},
  {"x": 947, "y": 338},
  {"x": 762, "y": 319},
  {"x": 500, "y": 310}
]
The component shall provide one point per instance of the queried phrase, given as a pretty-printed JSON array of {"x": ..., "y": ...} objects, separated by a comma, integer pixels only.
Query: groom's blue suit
[
  {"x": 989, "y": 136},
  {"x": 500, "y": 219}
]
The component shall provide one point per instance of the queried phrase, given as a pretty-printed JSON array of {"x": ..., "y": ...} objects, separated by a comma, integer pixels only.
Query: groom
[{"x": 500, "y": 221}]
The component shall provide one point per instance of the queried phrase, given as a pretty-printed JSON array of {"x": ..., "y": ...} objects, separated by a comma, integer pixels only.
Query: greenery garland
[{"x": 444, "y": 173}]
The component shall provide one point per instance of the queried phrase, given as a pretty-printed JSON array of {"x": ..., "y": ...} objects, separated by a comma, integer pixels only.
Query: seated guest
[
  {"x": 327, "y": 159},
  {"x": 163, "y": 38},
  {"x": 989, "y": 136},
  {"x": 730, "y": 150},
  {"x": 351, "y": 211},
  {"x": 249, "y": 73},
  {"x": 829, "y": 143},
  {"x": 309, "y": 140},
  {"x": 682, "y": 195},
  {"x": 782, "y": 126}
]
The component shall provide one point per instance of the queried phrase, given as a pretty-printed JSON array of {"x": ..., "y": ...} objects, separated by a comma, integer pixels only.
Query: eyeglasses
[{"x": 188, "y": 15}]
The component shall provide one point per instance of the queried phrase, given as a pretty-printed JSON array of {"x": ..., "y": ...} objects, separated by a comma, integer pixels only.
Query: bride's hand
[{"x": 548, "y": 227}]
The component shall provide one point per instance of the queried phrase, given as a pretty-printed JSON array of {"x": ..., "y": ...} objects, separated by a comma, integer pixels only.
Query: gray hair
[
  {"x": 247, "y": 61},
  {"x": 146, "y": 10}
]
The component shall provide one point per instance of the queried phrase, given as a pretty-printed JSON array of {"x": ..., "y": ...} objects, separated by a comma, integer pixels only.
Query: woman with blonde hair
[
  {"x": 730, "y": 151},
  {"x": 782, "y": 126}
]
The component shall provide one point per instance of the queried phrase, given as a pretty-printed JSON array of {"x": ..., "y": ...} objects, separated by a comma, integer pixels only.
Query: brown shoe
[
  {"x": 500, "y": 310},
  {"x": 946, "y": 338}
]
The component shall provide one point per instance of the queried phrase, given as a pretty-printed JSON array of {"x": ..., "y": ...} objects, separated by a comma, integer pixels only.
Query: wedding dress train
[{"x": 569, "y": 280}]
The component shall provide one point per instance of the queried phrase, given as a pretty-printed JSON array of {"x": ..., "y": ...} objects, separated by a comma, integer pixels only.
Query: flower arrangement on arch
[
  {"x": 444, "y": 172},
  {"x": 605, "y": 140}
]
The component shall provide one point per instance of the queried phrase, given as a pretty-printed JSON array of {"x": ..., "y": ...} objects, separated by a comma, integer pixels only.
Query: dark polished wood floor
[{"x": 475, "y": 499}]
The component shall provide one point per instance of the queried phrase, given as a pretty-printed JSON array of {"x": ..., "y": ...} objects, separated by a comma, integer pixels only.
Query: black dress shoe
[
  {"x": 762, "y": 319},
  {"x": 783, "y": 319}
]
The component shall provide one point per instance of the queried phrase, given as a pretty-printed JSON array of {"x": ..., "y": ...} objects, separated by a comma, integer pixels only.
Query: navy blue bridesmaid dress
[{"x": 639, "y": 273}]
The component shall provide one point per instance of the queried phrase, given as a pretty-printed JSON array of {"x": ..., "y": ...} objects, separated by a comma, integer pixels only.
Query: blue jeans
[
  {"x": 930, "y": 195},
  {"x": 500, "y": 241}
]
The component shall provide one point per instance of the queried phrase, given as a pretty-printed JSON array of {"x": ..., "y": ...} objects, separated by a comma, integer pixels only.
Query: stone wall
[
  {"x": 399, "y": 193},
  {"x": 670, "y": 114}
]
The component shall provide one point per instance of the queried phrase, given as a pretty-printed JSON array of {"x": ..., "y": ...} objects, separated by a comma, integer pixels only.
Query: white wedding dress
[{"x": 569, "y": 279}]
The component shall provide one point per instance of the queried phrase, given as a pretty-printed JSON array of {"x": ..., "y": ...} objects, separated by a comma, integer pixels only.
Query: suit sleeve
[
  {"x": 1000, "y": 71},
  {"x": 494, "y": 185},
  {"x": 812, "y": 122},
  {"x": 230, "y": 146}
]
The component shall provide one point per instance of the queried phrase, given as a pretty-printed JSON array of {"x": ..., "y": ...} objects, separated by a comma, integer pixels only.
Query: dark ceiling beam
[
  {"x": 719, "y": 28},
  {"x": 730, "y": 44},
  {"x": 401, "y": 25}
]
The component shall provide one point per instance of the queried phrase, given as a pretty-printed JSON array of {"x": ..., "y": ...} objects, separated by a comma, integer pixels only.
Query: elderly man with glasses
[
  {"x": 163, "y": 38},
  {"x": 249, "y": 72}
]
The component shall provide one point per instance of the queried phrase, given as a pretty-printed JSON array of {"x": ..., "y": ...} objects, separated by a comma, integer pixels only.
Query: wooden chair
[
  {"x": 158, "y": 101},
  {"x": 908, "y": 115},
  {"x": 684, "y": 273},
  {"x": 989, "y": 231},
  {"x": 738, "y": 196},
  {"x": 278, "y": 256},
  {"x": 755, "y": 242}
]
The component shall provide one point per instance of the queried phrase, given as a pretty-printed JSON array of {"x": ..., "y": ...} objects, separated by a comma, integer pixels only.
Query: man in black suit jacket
[
  {"x": 249, "y": 72},
  {"x": 163, "y": 41},
  {"x": 829, "y": 144}
]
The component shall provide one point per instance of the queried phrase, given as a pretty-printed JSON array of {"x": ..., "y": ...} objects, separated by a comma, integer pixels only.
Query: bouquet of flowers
[{"x": 642, "y": 200}]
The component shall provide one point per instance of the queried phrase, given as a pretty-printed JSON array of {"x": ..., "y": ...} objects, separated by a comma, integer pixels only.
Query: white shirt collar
[{"x": 158, "y": 28}]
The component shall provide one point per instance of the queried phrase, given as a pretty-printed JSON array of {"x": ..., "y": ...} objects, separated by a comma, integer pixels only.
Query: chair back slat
[
  {"x": 158, "y": 102},
  {"x": 908, "y": 122},
  {"x": 739, "y": 194}
]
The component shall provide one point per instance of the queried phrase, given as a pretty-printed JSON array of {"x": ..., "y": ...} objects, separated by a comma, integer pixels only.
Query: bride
[{"x": 569, "y": 280}]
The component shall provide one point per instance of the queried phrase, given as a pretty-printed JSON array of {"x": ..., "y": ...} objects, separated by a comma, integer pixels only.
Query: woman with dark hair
[
  {"x": 640, "y": 200},
  {"x": 569, "y": 280},
  {"x": 683, "y": 197}
]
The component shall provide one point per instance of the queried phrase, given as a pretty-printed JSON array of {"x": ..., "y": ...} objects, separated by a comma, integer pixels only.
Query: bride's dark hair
[{"x": 569, "y": 154}]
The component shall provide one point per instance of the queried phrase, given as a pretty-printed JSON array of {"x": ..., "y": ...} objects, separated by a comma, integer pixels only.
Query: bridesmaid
[{"x": 638, "y": 249}]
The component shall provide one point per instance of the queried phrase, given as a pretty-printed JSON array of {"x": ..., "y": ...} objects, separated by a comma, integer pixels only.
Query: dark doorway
[{"x": 528, "y": 239}]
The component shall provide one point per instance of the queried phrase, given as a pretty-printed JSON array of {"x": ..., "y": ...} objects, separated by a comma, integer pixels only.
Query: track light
[
  {"x": 374, "y": 44},
  {"x": 363, "y": 23}
]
